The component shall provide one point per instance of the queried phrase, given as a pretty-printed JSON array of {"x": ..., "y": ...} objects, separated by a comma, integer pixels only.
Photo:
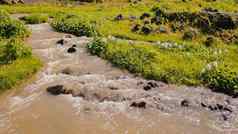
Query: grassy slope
[
  {"x": 16, "y": 60},
  {"x": 172, "y": 65}
]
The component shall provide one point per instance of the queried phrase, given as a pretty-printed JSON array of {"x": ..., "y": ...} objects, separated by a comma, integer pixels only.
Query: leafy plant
[
  {"x": 222, "y": 79},
  {"x": 35, "y": 18},
  {"x": 73, "y": 24},
  {"x": 10, "y": 28},
  {"x": 97, "y": 46},
  {"x": 12, "y": 50}
]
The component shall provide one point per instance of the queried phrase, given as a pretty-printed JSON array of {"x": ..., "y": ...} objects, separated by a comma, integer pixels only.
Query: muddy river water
[{"x": 106, "y": 100}]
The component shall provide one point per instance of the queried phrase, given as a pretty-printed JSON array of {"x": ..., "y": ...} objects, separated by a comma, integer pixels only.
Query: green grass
[
  {"x": 73, "y": 24},
  {"x": 35, "y": 18},
  {"x": 215, "y": 67},
  {"x": 11, "y": 28},
  {"x": 190, "y": 62},
  {"x": 13, "y": 74},
  {"x": 16, "y": 60}
]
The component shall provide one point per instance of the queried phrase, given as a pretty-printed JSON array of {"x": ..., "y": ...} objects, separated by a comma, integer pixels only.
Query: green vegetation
[
  {"x": 35, "y": 18},
  {"x": 186, "y": 53},
  {"x": 10, "y": 28},
  {"x": 173, "y": 63},
  {"x": 16, "y": 60},
  {"x": 73, "y": 24}
]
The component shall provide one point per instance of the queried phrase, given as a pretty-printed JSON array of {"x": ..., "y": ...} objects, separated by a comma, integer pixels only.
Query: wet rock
[
  {"x": 185, "y": 103},
  {"x": 67, "y": 71},
  {"x": 61, "y": 42},
  {"x": 72, "y": 50},
  {"x": 141, "y": 104},
  {"x": 150, "y": 85},
  {"x": 58, "y": 89},
  {"x": 203, "y": 105}
]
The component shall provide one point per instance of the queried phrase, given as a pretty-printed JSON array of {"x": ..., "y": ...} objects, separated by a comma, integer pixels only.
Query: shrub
[
  {"x": 13, "y": 74},
  {"x": 134, "y": 58},
  {"x": 74, "y": 24},
  {"x": 221, "y": 79},
  {"x": 10, "y": 28},
  {"x": 12, "y": 50},
  {"x": 35, "y": 19},
  {"x": 97, "y": 47}
]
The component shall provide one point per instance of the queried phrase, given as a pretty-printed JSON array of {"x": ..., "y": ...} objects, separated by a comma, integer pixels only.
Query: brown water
[{"x": 31, "y": 110}]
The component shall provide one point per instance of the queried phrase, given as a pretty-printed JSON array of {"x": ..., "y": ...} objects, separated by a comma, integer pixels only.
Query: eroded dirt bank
[{"x": 88, "y": 95}]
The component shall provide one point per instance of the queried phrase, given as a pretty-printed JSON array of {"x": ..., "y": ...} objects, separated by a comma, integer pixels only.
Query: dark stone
[
  {"x": 72, "y": 50},
  {"x": 185, "y": 103},
  {"x": 141, "y": 104},
  {"x": 61, "y": 42},
  {"x": 147, "y": 88},
  {"x": 203, "y": 105},
  {"x": 56, "y": 90},
  {"x": 153, "y": 84},
  {"x": 150, "y": 85}
]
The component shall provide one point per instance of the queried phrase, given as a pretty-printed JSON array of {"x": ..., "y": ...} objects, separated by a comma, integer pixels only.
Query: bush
[
  {"x": 10, "y": 28},
  {"x": 134, "y": 58},
  {"x": 73, "y": 24},
  {"x": 221, "y": 79},
  {"x": 97, "y": 47},
  {"x": 35, "y": 19},
  {"x": 13, "y": 74},
  {"x": 12, "y": 50}
]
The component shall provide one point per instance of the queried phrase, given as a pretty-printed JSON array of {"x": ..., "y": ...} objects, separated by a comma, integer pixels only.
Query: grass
[
  {"x": 21, "y": 69},
  {"x": 180, "y": 61},
  {"x": 16, "y": 60},
  {"x": 73, "y": 24},
  {"x": 35, "y": 18},
  {"x": 179, "y": 64}
]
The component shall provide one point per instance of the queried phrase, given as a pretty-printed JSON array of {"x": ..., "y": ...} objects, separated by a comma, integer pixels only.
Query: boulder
[
  {"x": 72, "y": 50},
  {"x": 140, "y": 104},
  {"x": 58, "y": 89}
]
